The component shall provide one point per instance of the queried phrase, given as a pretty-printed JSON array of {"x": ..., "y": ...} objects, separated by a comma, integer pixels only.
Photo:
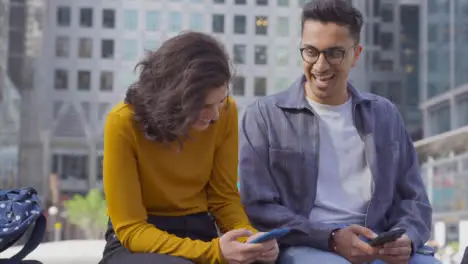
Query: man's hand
[
  {"x": 271, "y": 249},
  {"x": 351, "y": 247},
  {"x": 397, "y": 252}
]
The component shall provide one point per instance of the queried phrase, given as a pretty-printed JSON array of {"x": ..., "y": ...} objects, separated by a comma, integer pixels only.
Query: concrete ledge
[{"x": 69, "y": 252}]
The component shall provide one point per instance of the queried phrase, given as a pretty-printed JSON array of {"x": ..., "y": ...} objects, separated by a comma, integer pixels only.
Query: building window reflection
[{"x": 261, "y": 25}]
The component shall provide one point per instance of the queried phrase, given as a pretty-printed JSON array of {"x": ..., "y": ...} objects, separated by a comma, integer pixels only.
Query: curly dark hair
[{"x": 174, "y": 80}]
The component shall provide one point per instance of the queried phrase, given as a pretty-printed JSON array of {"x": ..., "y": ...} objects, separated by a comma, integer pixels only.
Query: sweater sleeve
[
  {"x": 125, "y": 204},
  {"x": 223, "y": 195}
]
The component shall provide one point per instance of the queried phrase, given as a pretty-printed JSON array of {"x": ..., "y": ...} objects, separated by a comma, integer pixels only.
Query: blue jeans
[{"x": 300, "y": 255}]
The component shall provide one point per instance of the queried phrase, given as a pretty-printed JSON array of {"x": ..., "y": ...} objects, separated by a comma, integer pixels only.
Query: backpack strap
[{"x": 33, "y": 241}]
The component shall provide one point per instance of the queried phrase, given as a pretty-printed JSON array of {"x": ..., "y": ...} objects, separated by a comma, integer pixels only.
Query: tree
[{"x": 88, "y": 213}]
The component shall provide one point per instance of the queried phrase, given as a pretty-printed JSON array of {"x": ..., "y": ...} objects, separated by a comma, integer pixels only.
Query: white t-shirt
[{"x": 344, "y": 177}]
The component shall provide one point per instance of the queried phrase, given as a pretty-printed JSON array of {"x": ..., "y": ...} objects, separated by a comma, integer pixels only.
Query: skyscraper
[
  {"x": 444, "y": 66},
  {"x": 90, "y": 48},
  {"x": 9, "y": 102}
]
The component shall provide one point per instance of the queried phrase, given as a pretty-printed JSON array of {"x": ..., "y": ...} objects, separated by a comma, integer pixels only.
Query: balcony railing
[{"x": 446, "y": 181}]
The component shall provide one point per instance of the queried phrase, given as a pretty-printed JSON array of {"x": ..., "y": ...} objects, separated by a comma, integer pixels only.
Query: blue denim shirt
[{"x": 279, "y": 143}]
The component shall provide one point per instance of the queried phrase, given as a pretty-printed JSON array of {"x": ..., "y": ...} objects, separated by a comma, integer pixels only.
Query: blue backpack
[{"x": 19, "y": 210}]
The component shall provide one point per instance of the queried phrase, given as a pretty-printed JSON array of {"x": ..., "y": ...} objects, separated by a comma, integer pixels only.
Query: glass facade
[
  {"x": 131, "y": 19},
  {"x": 447, "y": 65},
  {"x": 461, "y": 42},
  {"x": 447, "y": 41},
  {"x": 153, "y": 20},
  {"x": 440, "y": 119},
  {"x": 438, "y": 50}
]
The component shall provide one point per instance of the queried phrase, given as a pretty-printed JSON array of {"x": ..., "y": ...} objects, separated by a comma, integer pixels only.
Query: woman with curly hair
[{"x": 170, "y": 163}]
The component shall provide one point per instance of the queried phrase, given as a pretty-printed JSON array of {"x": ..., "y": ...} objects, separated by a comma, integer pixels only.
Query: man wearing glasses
[{"x": 333, "y": 164}]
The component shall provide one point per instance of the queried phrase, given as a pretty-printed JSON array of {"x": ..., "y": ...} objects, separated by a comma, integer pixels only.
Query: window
[
  {"x": 284, "y": 3},
  {"x": 386, "y": 65},
  {"x": 61, "y": 79},
  {"x": 432, "y": 32},
  {"x": 196, "y": 22},
  {"x": 262, "y": 2},
  {"x": 70, "y": 166},
  {"x": 376, "y": 28},
  {"x": 439, "y": 119},
  {"x": 281, "y": 84},
  {"x": 261, "y": 25},
  {"x": 376, "y": 7},
  {"x": 127, "y": 78},
  {"x": 282, "y": 26},
  {"x": 63, "y": 16},
  {"x": 218, "y": 24},
  {"x": 238, "y": 86},
  {"x": 85, "y": 47},
  {"x": 151, "y": 45},
  {"x": 129, "y": 49},
  {"x": 86, "y": 17},
  {"x": 376, "y": 59},
  {"x": 260, "y": 54},
  {"x": 378, "y": 88},
  {"x": 130, "y": 19},
  {"x": 386, "y": 13},
  {"x": 462, "y": 109},
  {"x": 108, "y": 18},
  {"x": 107, "y": 81},
  {"x": 153, "y": 20},
  {"x": 240, "y": 2},
  {"x": 175, "y": 21},
  {"x": 239, "y": 53},
  {"x": 432, "y": 58},
  {"x": 62, "y": 46},
  {"x": 386, "y": 41},
  {"x": 260, "y": 86},
  {"x": 239, "y": 24},
  {"x": 367, "y": 33},
  {"x": 107, "y": 48},
  {"x": 282, "y": 55},
  {"x": 301, "y": 3},
  {"x": 218, "y": 1},
  {"x": 84, "y": 80},
  {"x": 395, "y": 92}
]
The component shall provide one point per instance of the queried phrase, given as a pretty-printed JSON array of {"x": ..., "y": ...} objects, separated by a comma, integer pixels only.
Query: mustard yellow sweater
[{"x": 143, "y": 177}]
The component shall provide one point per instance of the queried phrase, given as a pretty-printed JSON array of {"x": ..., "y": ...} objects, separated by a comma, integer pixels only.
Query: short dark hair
[
  {"x": 340, "y": 12},
  {"x": 174, "y": 80}
]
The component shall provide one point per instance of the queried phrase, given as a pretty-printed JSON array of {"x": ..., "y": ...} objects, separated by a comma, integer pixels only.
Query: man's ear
[{"x": 357, "y": 54}]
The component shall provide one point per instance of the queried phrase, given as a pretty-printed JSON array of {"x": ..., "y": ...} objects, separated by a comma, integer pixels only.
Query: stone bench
[{"x": 69, "y": 252}]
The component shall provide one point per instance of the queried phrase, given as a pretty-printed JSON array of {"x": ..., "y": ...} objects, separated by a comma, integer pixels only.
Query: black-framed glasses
[{"x": 334, "y": 55}]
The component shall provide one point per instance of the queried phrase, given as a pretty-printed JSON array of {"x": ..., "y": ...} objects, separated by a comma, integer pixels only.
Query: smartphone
[
  {"x": 387, "y": 237},
  {"x": 273, "y": 234}
]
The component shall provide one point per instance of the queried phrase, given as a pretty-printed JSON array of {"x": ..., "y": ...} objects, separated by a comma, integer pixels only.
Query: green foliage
[
  {"x": 89, "y": 213},
  {"x": 455, "y": 246}
]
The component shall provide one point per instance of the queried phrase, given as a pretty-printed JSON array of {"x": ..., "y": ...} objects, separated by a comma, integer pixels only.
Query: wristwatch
[{"x": 331, "y": 240}]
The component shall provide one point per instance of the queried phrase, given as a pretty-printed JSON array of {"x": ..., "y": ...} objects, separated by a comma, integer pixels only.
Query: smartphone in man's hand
[{"x": 387, "y": 237}]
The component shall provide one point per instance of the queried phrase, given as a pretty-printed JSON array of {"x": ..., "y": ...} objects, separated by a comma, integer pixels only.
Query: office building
[
  {"x": 90, "y": 49},
  {"x": 444, "y": 75},
  {"x": 444, "y": 104}
]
